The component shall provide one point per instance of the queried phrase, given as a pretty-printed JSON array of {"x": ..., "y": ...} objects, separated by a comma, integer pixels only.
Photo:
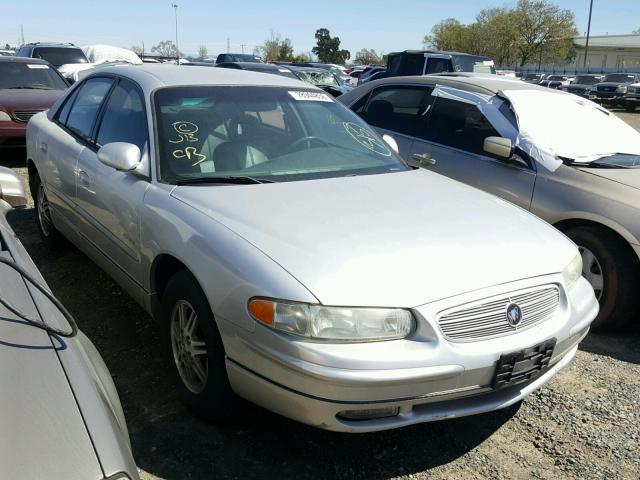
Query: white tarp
[
  {"x": 107, "y": 53},
  {"x": 565, "y": 125}
]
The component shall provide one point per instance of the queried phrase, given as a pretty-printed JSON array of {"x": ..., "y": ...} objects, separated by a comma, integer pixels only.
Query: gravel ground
[{"x": 584, "y": 424}]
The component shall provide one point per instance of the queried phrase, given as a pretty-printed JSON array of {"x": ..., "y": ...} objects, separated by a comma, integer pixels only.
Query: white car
[{"x": 293, "y": 259}]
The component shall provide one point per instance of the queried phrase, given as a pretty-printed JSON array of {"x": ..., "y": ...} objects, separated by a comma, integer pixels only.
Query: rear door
[
  {"x": 109, "y": 200},
  {"x": 395, "y": 110},
  {"x": 454, "y": 133},
  {"x": 63, "y": 140}
]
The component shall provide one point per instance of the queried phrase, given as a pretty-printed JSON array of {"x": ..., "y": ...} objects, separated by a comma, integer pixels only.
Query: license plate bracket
[{"x": 523, "y": 365}]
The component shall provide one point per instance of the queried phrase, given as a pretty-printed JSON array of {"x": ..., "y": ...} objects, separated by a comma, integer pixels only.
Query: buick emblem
[{"x": 514, "y": 314}]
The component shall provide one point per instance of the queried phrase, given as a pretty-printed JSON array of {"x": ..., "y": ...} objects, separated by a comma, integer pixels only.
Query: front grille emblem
[{"x": 514, "y": 314}]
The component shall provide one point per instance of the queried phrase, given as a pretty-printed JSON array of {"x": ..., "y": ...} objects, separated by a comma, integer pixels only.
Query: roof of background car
[
  {"x": 473, "y": 82},
  {"x": 22, "y": 60},
  {"x": 255, "y": 65},
  {"x": 151, "y": 75},
  {"x": 296, "y": 68}
]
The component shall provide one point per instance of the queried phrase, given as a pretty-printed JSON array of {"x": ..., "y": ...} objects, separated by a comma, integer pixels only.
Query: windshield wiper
[{"x": 234, "y": 180}]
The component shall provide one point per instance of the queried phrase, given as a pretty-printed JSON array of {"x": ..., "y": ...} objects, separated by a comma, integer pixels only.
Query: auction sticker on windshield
[{"x": 310, "y": 96}]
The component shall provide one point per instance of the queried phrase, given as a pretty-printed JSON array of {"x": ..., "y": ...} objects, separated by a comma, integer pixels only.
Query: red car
[{"x": 27, "y": 86}]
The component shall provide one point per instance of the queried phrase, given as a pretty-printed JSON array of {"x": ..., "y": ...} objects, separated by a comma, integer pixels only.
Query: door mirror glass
[
  {"x": 498, "y": 146},
  {"x": 120, "y": 155},
  {"x": 11, "y": 189},
  {"x": 389, "y": 140}
]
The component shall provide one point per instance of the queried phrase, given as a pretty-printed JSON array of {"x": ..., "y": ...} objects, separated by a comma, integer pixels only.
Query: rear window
[
  {"x": 58, "y": 56},
  {"x": 471, "y": 63}
]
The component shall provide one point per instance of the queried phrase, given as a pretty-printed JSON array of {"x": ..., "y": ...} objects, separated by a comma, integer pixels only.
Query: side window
[
  {"x": 85, "y": 109},
  {"x": 458, "y": 125},
  {"x": 395, "y": 108},
  {"x": 124, "y": 118},
  {"x": 438, "y": 65},
  {"x": 63, "y": 113}
]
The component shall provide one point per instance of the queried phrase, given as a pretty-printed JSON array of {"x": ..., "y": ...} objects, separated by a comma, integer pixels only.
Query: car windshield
[
  {"x": 619, "y": 78},
  {"x": 58, "y": 56},
  {"x": 268, "y": 133},
  {"x": 556, "y": 78},
  {"x": 619, "y": 160},
  {"x": 36, "y": 76},
  {"x": 586, "y": 80}
]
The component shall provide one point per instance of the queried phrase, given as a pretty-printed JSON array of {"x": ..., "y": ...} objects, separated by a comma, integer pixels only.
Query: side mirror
[
  {"x": 498, "y": 146},
  {"x": 120, "y": 155},
  {"x": 11, "y": 188},
  {"x": 389, "y": 140}
]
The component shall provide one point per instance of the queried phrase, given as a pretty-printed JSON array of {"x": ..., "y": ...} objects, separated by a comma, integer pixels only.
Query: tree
[
  {"x": 137, "y": 50},
  {"x": 166, "y": 48},
  {"x": 368, "y": 57},
  {"x": 534, "y": 31},
  {"x": 276, "y": 48},
  {"x": 328, "y": 48},
  {"x": 544, "y": 31},
  {"x": 203, "y": 53},
  {"x": 636, "y": 32}
]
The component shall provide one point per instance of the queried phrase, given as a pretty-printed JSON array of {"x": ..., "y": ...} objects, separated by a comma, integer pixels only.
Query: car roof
[
  {"x": 439, "y": 52},
  {"x": 23, "y": 60},
  {"x": 151, "y": 75},
  {"x": 256, "y": 65}
]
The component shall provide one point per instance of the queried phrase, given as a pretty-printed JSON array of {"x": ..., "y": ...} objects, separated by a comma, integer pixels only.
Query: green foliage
[
  {"x": 276, "y": 48},
  {"x": 166, "y": 48},
  {"x": 327, "y": 48},
  {"x": 203, "y": 53},
  {"x": 534, "y": 31},
  {"x": 368, "y": 57}
]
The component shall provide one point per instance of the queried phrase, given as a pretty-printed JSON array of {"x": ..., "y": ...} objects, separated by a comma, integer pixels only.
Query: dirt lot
[{"x": 584, "y": 424}]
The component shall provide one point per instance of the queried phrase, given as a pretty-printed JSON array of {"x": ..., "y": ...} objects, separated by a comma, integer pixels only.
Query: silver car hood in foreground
[{"x": 397, "y": 239}]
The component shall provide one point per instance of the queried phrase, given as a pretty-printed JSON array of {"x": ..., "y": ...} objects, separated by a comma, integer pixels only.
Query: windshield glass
[
  {"x": 619, "y": 78},
  {"x": 58, "y": 56},
  {"x": 37, "y": 76},
  {"x": 620, "y": 160},
  {"x": 319, "y": 78},
  {"x": 586, "y": 80},
  {"x": 269, "y": 133}
]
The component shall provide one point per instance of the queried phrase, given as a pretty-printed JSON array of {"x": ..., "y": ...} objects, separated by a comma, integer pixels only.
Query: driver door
[{"x": 109, "y": 201}]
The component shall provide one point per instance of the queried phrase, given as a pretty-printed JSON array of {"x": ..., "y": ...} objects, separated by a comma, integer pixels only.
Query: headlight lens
[
  {"x": 621, "y": 89},
  {"x": 338, "y": 324},
  {"x": 573, "y": 271},
  {"x": 4, "y": 117}
]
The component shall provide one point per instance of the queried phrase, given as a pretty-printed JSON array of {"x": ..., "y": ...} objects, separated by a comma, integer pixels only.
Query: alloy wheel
[
  {"x": 188, "y": 347},
  {"x": 592, "y": 271},
  {"x": 44, "y": 213}
]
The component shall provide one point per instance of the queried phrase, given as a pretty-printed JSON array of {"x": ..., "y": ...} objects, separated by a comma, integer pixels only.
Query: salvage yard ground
[{"x": 584, "y": 424}]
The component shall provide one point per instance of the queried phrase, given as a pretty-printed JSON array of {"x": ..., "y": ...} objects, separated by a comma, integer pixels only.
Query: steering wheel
[{"x": 308, "y": 139}]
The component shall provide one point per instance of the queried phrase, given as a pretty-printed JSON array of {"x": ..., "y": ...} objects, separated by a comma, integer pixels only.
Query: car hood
[
  {"x": 398, "y": 239},
  {"x": 625, "y": 176},
  {"x": 18, "y": 99},
  {"x": 611, "y": 84}
]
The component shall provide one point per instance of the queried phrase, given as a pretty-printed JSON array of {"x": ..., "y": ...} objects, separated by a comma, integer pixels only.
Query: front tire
[
  {"x": 49, "y": 234},
  {"x": 195, "y": 349},
  {"x": 611, "y": 269}
]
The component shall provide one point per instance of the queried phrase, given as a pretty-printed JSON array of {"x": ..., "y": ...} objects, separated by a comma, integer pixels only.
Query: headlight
[
  {"x": 621, "y": 89},
  {"x": 573, "y": 271},
  {"x": 4, "y": 117},
  {"x": 338, "y": 324}
]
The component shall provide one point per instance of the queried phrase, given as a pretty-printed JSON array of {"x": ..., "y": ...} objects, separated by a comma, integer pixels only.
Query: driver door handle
[
  {"x": 85, "y": 181},
  {"x": 425, "y": 159}
]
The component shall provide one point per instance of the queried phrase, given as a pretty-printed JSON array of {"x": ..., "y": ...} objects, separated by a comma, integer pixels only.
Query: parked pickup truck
[
  {"x": 632, "y": 97},
  {"x": 613, "y": 88}
]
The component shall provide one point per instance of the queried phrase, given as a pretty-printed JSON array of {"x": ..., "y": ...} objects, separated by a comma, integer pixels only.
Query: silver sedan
[{"x": 293, "y": 259}]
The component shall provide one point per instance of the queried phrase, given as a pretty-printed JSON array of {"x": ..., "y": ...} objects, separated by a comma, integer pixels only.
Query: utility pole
[
  {"x": 243, "y": 45},
  {"x": 228, "y": 46},
  {"x": 175, "y": 11},
  {"x": 22, "y": 33},
  {"x": 586, "y": 48},
  {"x": 143, "y": 48}
]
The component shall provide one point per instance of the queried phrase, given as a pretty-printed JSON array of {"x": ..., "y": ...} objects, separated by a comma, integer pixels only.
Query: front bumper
[
  {"x": 12, "y": 134},
  {"x": 606, "y": 97},
  {"x": 425, "y": 377},
  {"x": 632, "y": 98}
]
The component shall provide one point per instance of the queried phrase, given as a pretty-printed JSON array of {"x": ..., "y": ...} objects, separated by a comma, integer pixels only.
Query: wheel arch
[{"x": 32, "y": 172}]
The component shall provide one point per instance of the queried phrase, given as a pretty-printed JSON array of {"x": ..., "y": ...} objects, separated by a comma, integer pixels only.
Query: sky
[{"x": 382, "y": 25}]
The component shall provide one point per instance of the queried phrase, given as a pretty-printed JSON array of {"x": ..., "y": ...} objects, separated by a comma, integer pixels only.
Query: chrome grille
[
  {"x": 488, "y": 318},
  {"x": 607, "y": 89},
  {"x": 24, "y": 115}
]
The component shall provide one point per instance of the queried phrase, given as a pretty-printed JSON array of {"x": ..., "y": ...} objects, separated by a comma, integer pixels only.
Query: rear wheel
[
  {"x": 195, "y": 349},
  {"x": 609, "y": 265},
  {"x": 49, "y": 234}
]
